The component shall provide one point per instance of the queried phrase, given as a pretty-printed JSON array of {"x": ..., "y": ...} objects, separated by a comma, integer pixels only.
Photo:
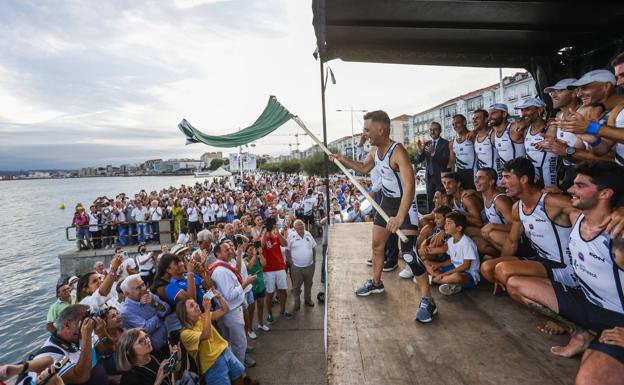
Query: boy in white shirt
[{"x": 462, "y": 270}]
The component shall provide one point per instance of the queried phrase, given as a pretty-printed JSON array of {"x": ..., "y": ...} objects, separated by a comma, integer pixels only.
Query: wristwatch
[{"x": 570, "y": 151}]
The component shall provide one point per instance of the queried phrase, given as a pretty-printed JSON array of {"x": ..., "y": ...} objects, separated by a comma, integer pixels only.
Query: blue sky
[{"x": 86, "y": 83}]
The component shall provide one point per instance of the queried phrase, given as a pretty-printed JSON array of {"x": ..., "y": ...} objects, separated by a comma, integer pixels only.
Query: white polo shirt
[{"x": 301, "y": 248}]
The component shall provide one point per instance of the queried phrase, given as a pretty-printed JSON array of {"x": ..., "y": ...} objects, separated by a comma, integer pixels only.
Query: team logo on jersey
[
  {"x": 581, "y": 256},
  {"x": 531, "y": 226},
  {"x": 601, "y": 259}
]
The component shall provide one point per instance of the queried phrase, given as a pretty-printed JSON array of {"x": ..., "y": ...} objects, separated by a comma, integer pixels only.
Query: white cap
[
  {"x": 532, "y": 102},
  {"x": 561, "y": 85},
  {"x": 600, "y": 76}
]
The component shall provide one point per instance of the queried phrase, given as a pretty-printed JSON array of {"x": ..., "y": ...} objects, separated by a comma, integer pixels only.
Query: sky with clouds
[{"x": 88, "y": 83}]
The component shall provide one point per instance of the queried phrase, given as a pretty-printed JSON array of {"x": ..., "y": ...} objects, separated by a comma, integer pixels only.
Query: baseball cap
[
  {"x": 499, "y": 106},
  {"x": 531, "y": 102},
  {"x": 601, "y": 76},
  {"x": 560, "y": 85}
]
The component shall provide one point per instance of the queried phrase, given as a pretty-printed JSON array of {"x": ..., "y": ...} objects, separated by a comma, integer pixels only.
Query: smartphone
[
  {"x": 209, "y": 294},
  {"x": 173, "y": 359}
]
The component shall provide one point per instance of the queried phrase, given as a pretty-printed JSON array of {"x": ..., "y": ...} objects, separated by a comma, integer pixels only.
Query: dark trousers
[{"x": 433, "y": 184}]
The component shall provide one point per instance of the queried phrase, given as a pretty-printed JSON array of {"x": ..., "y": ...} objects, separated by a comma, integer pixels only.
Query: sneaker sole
[
  {"x": 376, "y": 291},
  {"x": 410, "y": 277},
  {"x": 369, "y": 263},
  {"x": 385, "y": 270}
]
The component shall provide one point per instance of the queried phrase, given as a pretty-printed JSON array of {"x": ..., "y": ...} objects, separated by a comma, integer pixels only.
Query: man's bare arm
[
  {"x": 364, "y": 167},
  {"x": 510, "y": 247}
]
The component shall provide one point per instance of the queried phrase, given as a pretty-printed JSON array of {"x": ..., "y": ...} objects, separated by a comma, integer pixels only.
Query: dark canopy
[{"x": 551, "y": 39}]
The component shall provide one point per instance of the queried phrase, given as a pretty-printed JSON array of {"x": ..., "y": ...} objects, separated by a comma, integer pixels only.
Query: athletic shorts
[
  {"x": 391, "y": 207},
  {"x": 275, "y": 280},
  {"x": 470, "y": 279},
  {"x": 526, "y": 252},
  {"x": 574, "y": 306},
  {"x": 308, "y": 219},
  {"x": 194, "y": 227}
]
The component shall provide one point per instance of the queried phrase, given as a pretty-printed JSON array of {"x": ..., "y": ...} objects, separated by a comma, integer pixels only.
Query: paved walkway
[{"x": 292, "y": 353}]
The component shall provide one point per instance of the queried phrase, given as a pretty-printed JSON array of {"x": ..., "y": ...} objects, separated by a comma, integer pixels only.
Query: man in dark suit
[{"x": 436, "y": 153}]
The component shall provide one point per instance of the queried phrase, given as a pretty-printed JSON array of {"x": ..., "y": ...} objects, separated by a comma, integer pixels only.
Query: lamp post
[{"x": 351, "y": 111}]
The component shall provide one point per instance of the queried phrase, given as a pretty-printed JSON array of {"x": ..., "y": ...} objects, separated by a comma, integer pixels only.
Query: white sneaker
[
  {"x": 251, "y": 334},
  {"x": 406, "y": 273},
  {"x": 264, "y": 328},
  {"x": 449, "y": 289}
]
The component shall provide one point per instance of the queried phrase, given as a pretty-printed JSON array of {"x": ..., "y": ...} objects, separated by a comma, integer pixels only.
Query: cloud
[{"x": 124, "y": 73}]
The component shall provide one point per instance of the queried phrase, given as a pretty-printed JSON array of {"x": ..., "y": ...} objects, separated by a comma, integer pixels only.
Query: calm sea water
[{"x": 32, "y": 233}]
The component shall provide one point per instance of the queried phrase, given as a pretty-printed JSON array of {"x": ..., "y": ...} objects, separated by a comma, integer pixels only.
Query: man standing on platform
[
  {"x": 436, "y": 153},
  {"x": 397, "y": 187}
]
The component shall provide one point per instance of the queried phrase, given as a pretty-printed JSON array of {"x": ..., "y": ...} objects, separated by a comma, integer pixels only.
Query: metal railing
[{"x": 110, "y": 233}]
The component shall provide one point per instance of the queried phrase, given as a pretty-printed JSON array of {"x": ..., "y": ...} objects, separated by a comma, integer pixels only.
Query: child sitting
[
  {"x": 462, "y": 270},
  {"x": 433, "y": 245}
]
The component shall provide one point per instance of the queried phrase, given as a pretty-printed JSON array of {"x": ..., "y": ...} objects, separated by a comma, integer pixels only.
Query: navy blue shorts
[
  {"x": 391, "y": 207},
  {"x": 574, "y": 306}
]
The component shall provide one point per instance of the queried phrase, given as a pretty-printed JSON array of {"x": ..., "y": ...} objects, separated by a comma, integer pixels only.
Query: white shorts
[{"x": 275, "y": 280}]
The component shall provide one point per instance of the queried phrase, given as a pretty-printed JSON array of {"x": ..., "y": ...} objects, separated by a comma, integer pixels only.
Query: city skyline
[{"x": 108, "y": 83}]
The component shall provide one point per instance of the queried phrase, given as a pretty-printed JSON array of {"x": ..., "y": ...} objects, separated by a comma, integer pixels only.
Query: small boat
[{"x": 203, "y": 174}]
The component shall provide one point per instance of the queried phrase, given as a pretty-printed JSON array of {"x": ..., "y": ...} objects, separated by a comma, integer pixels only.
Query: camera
[{"x": 209, "y": 294}]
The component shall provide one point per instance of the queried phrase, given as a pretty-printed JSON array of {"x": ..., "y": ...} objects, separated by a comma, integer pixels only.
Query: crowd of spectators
[{"x": 221, "y": 282}]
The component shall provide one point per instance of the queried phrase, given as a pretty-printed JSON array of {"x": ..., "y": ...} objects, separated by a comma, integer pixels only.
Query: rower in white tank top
[
  {"x": 506, "y": 148},
  {"x": 485, "y": 152},
  {"x": 487, "y": 156},
  {"x": 600, "y": 279},
  {"x": 390, "y": 179},
  {"x": 545, "y": 163},
  {"x": 465, "y": 158},
  {"x": 549, "y": 239},
  {"x": 491, "y": 214}
]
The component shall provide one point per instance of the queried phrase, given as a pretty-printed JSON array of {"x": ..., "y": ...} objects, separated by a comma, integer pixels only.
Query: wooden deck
[{"x": 476, "y": 338}]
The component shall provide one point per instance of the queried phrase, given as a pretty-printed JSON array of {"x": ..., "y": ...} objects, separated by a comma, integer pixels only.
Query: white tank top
[
  {"x": 545, "y": 163},
  {"x": 465, "y": 158},
  {"x": 390, "y": 180},
  {"x": 491, "y": 214},
  {"x": 549, "y": 240},
  {"x": 486, "y": 155},
  {"x": 600, "y": 279},
  {"x": 460, "y": 207},
  {"x": 506, "y": 148}
]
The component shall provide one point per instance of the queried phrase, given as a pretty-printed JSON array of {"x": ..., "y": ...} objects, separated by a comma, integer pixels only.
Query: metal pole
[
  {"x": 352, "y": 137},
  {"x": 500, "y": 86},
  {"x": 326, "y": 162}
]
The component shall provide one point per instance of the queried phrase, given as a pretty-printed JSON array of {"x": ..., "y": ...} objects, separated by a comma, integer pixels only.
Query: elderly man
[
  {"x": 64, "y": 300},
  {"x": 204, "y": 254},
  {"x": 74, "y": 340},
  {"x": 301, "y": 245},
  {"x": 144, "y": 310},
  {"x": 231, "y": 286}
]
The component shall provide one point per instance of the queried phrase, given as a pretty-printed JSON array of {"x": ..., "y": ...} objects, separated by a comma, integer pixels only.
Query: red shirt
[{"x": 273, "y": 254}]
